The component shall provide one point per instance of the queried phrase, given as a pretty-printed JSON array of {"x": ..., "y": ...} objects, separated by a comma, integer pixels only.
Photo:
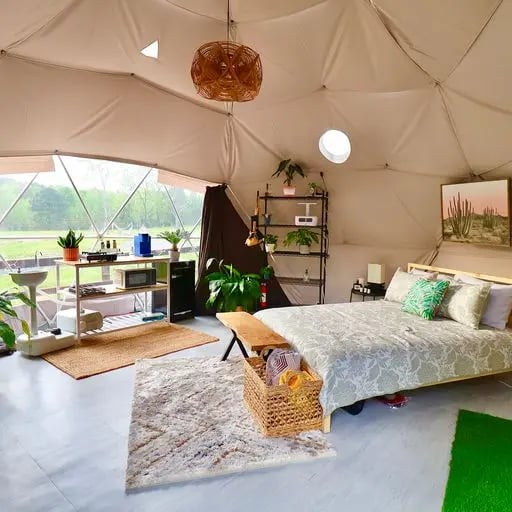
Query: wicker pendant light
[{"x": 227, "y": 71}]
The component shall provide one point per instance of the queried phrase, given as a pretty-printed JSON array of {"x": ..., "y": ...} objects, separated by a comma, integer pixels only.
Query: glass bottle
[
  {"x": 108, "y": 244},
  {"x": 306, "y": 276}
]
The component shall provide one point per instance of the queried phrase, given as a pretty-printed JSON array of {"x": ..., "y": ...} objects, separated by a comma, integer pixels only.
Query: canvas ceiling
[{"x": 422, "y": 88}]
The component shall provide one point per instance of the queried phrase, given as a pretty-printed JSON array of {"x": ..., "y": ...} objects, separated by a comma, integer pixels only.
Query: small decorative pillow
[
  {"x": 424, "y": 274},
  {"x": 424, "y": 298},
  {"x": 280, "y": 361},
  {"x": 400, "y": 285},
  {"x": 465, "y": 303},
  {"x": 498, "y": 307}
]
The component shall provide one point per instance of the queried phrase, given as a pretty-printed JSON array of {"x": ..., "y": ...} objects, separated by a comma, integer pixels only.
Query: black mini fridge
[{"x": 181, "y": 290}]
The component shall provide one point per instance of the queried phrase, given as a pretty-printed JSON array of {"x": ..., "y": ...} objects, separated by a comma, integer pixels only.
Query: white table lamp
[{"x": 376, "y": 273}]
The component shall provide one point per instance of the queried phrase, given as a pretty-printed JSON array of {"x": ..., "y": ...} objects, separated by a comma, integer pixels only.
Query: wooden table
[{"x": 249, "y": 332}]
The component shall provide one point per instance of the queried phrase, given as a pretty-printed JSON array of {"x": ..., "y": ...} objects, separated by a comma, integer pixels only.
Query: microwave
[{"x": 134, "y": 277}]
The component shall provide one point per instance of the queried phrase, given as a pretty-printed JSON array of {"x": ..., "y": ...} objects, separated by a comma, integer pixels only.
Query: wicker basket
[{"x": 275, "y": 408}]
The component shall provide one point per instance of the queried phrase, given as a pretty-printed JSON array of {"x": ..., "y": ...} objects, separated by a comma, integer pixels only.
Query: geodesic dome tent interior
[{"x": 422, "y": 89}]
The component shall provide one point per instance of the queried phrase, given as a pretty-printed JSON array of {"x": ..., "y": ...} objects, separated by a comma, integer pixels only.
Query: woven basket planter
[{"x": 277, "y": 409}]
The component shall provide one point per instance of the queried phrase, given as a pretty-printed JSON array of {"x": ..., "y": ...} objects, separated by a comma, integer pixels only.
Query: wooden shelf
[
  {"x": 298, "y": 281},
  {"x": 123, "y": 260},
  {"x": 119, "y": 323},
  {"x": 112, "y": 291},
  {"x": 313, "y": 254}
]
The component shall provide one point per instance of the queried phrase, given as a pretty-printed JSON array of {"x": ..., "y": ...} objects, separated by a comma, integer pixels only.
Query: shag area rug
[
  {"x": 112, "y": 350},
  {"x": 480, "y": 470},
  {"x": 189, "y": 421}
]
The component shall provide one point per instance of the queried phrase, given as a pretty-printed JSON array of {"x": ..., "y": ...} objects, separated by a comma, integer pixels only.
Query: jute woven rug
[
  {"x": 109, "y": 351},
  {"x": 189, "y": 422}
]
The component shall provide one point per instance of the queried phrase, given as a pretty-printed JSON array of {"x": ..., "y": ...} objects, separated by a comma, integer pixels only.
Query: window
[{"x": 102, "y": 199}]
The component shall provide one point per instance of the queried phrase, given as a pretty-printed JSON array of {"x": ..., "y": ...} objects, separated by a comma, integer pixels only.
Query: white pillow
[
  {"x": 499, "y": 305},
  {"x": 400, "y": 285},
  {"x": 465, "y": 303},
  {"x": 431, "y": 276}
]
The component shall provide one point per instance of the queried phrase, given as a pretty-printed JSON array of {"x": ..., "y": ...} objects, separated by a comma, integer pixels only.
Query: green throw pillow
[{"x": 424, "y": 298}]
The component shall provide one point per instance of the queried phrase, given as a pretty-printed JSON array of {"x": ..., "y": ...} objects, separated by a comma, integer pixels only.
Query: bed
[{"x": 367, "y": 349}]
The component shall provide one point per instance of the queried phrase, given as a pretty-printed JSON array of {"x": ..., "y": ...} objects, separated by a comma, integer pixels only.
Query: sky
[{"x": 493, "y": 194}]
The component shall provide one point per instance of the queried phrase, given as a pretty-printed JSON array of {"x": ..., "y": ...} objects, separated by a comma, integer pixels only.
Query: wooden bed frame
[{"x": 484, "y": 277}]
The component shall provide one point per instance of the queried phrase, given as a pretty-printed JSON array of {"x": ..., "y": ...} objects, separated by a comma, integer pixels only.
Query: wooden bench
[{"x": 249, "y": 332}]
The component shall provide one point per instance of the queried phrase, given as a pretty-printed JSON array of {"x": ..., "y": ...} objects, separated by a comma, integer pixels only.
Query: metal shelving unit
[{"x": 322, "y": 254}]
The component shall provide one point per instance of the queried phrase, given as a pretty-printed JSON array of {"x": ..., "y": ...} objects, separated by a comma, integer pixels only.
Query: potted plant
[
  {"x": 290, "y": 170},
  {"x": 267, "y": 272},
  {"x": 302, "y": 237},
  {"x": 70, "y": 243},
  {"x": 270, "y": 242},
  {"x": 7, "y": 334},
  {"x": 314, "y": 188},
  {"x": 230, "y": 290},
  {"x": 174, "y": 238}
]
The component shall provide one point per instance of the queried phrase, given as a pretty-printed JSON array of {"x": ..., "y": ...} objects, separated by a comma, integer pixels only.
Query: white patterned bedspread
[{"x": 362, "y": 350}]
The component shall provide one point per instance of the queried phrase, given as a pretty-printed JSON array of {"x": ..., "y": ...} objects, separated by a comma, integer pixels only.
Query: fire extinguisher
[{"x": 263, "y": 298}]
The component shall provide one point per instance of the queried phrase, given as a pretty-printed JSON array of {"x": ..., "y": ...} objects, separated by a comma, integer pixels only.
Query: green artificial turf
[{"x": 480, "y": 477}]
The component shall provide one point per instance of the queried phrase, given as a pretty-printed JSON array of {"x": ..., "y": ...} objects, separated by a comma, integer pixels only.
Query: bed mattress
[{"x": 362, "y": 350}]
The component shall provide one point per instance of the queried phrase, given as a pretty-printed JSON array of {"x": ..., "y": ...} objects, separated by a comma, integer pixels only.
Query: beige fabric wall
[{"x": 421, "y": 88}]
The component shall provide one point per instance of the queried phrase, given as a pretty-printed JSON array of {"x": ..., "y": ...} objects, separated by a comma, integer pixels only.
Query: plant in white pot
[
  {"x": 290, "y": 170},
  {"x": 302, "y": 237},
  {"x": 174, "y": 238},
  {"x": 270, "y": 242}
]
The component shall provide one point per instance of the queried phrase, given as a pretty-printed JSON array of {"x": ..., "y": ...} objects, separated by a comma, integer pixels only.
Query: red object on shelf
[
  {"x": 263, "y": 298},
  {"x": 394, "y": 401}
]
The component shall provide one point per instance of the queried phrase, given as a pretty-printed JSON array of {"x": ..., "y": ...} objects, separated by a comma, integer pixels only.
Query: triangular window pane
[{"x": 151, "y": 50}]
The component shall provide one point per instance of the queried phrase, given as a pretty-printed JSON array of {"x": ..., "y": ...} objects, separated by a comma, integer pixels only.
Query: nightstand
[{"x": 375, "y": 294}]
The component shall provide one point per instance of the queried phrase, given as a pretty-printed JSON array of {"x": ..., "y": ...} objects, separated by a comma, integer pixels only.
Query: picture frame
[{"x": 477, "y": 212}]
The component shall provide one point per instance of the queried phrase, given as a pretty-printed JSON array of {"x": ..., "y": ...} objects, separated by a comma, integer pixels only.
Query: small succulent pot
[
  {"x": 304, "y": 249},
  {"x": 267, "y": 218},
  {"x": 289, "y": 191},
  {"x": 270, "y": 248},
  {"x": 71, "y": 253},
  {"x": 175, "y": 255}
]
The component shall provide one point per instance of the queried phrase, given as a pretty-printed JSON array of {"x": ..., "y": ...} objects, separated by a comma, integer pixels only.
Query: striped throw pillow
[{"x": 424, "y": 298}]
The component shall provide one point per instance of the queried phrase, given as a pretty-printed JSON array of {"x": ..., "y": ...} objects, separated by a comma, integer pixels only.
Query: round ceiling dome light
[{"x": 335, "y": 146}]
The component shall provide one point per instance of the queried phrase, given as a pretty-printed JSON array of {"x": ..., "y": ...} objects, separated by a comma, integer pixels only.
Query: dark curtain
[{"x": 223, "y": 235}]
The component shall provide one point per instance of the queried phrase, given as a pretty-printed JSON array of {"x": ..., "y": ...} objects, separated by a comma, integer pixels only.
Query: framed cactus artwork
[{"x": 477, "y": 213}]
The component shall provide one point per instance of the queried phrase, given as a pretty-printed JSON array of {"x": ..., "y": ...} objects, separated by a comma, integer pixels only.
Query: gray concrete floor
[{"x": 63, "y": 447}]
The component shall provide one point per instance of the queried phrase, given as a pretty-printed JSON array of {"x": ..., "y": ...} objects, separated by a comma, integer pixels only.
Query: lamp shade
[
  {"x": 376, "y": 273},
  {"x": 226, "y": 71}
]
